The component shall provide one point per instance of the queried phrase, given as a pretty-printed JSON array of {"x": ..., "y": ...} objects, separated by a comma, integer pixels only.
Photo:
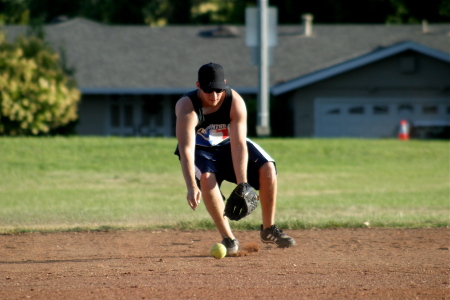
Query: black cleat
[{"x": 274, "y": 235}]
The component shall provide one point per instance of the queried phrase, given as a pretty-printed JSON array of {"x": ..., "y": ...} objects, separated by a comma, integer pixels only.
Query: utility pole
[
  {"x": 261, "y": 37},
  {"x": 263, "y": 118}
]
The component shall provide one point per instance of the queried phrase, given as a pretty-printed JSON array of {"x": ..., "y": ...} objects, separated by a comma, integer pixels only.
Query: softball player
[{"x": 211, "y": 130}]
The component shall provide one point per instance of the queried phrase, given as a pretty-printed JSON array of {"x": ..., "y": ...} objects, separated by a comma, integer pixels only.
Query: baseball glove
[{"x": 242, "y": 202}]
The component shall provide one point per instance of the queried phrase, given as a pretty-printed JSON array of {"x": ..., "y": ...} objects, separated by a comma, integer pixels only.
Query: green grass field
[{"x": 82, "y": 183}]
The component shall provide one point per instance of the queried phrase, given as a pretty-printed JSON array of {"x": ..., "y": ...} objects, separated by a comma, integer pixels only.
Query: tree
[
  {"x": 14, "y": 12},
  {"x": 163, "y": 12},
  {"x": 36, "y": 95},
  {"x": 411, "y": 11}
]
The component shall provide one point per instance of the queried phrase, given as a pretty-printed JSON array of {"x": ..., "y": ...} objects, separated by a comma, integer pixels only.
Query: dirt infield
[{"x": 325, "y": 264}]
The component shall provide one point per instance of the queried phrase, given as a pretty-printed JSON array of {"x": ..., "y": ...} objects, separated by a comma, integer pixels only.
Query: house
[
  {"x": 369, "y": 95},
  {"x": 340, "y": 80}
]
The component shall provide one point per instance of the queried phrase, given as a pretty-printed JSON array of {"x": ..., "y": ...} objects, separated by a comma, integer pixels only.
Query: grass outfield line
[{"x": 109, "y": 183}]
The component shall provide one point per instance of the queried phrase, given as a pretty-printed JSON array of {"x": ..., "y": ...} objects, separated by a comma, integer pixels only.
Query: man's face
[{"x": 212, "y": 98}]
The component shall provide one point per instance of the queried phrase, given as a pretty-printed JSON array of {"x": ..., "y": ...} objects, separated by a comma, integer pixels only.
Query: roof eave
[
  {"x": 151, "y": 91},
  {"x": 356, "y": 63}
]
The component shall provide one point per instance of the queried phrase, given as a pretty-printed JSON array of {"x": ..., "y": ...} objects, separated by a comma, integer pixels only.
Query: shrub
[{"x": 36, "y": 95}]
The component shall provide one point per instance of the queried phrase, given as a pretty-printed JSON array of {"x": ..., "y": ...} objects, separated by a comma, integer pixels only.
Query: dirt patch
[{"x": 327, "y": 264}]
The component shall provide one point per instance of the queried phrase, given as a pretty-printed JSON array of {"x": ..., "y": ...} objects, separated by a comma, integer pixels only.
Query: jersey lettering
[{"x": 212, "y": 135}]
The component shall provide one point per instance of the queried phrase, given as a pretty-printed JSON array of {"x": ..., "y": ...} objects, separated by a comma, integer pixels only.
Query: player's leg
[
  {"x": 215, "y": 206},
  {"x": 270, "y": 233},
  {"x": 214, "y": 203},
  {"x": 268, "y": 193},
  {"x": 262, "y": 175},
  {"x": 265, "y": 179}
]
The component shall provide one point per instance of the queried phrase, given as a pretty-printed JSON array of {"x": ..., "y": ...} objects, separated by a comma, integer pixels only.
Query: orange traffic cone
[{"x": 403, "y": 133}]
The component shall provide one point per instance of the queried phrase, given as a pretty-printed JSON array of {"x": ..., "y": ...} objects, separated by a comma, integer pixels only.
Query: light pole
[
  {"x": 261, "y": 37},
  {"x": 263, "y": 120}
]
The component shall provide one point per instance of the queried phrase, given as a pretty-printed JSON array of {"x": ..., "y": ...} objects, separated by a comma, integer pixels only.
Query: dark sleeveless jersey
[
  {"x": 212, "y": 129},
  {"x": 213, "y": 148}
]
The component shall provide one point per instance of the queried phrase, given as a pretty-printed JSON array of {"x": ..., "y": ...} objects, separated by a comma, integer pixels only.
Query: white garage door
[{"x": 374, "y": 117}]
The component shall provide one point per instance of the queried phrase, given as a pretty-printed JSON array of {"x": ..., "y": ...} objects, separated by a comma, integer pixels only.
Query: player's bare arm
[
  {"x": 238, "y": 134},
  {"x": 185, "y": 132}
]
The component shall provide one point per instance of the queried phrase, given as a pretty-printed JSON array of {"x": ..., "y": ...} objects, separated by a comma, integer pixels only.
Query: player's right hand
[{"x": 193, "y": 197}]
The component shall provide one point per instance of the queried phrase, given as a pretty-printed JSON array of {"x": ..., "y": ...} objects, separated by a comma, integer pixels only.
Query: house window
[
  {"x": 429, "y": 110},
  {"x": 405, "y": 108},
  {"x": 334, "y": 111},
  {"x": 128, "y": 116},
  {"x": 115, "y": 116},
  {"x": 160, "y": 119},
  {"x": 380, "y": 110},
  {"x": 356, "y": 110},
  {"x": 145, "y": 117}
]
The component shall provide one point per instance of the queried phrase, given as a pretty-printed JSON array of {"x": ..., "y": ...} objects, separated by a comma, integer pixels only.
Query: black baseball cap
[{"x": 211, "y": 76}]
